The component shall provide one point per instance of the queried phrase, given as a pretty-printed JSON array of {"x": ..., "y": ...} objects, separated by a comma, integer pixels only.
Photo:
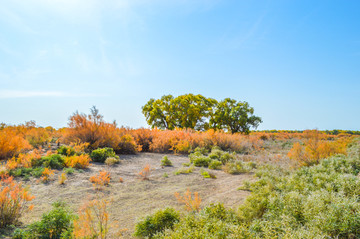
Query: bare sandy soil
[{"x": 135, "y": 198}]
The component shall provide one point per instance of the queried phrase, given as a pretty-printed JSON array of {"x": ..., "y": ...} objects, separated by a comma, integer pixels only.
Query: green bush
[
  {"x": 112, "y": 161},
  {"x": 226, "y": 157},
  {"x": 201, "y": 161},
  {"x": 55, "y": 224},
  {"x": 215, "y": 164},
  {"x": 100, "y": 155},
  {"x": 157, "y": 223},
  {"x": 200, "y": 150},
  {"x": 214, "y": 221},
  {"x": 166, "y": 161},
  {"x": 184, "y": 170},
  {"x": 235, "y": 167},
  {"x": 207, "y": 174},
  {"x": 66, "y": 150},
  {"x": 69, "y": 170},
  {"x": 53, "y": 161}
]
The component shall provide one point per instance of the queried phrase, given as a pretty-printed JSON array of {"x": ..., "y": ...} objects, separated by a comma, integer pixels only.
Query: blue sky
[{"x": 296, "y": 62}]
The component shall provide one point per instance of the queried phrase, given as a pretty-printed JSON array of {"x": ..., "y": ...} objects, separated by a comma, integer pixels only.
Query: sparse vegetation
[{"x": 291, "y": 180}]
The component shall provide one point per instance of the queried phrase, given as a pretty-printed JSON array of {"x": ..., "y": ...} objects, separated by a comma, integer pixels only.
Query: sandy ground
[{"x": 135, "y": 198}]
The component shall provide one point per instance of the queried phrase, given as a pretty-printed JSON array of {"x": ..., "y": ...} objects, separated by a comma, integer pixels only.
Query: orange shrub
[
  {"x": 62, "y": 178},
  {"x": 191, "y": 203},
  {"x": 46, "y": 175},
  {"x": 12, "y": 143},
  {"x": 92, "y": 129},
  {"x": 145, "y": 172},
  {"x": 78, "y": 161},
  {"x": 23, "y": 160},
  {"x": 317, "y": 146},
  {"x": 100, "y": 180},
  {"x": 13, "y": 200},
  {"x": 37, "y": 136},
  {"x": 143, "y": 137}
]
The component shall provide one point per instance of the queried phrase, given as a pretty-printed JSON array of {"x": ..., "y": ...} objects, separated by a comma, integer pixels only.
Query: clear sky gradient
[{"x": 296, "y": 62}]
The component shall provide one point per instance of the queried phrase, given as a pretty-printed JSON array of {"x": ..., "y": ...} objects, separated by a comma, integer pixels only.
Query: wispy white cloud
[{"x": 8, "y": 94}]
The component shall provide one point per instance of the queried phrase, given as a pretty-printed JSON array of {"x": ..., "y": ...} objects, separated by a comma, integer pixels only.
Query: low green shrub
[
  {"x": 214, "y": 221},
  {"x": 166, "y": 161},
  {"x": 112, "y": 161},
  {"x": 207, "y": 174},
  {"x": 157, "y": 223},
  {"x": 66, "y": 150},
  {"x": 69, "y": 170},
  {"x": 55, "y": 224},
  {"x": 184, "y": 170},
  {"x": 53, "y": 161},
  {"x": 235, "y": 167},
  {"x": 201, "y": 161},
  {"x": 100, "y": 155},
  {"x": 215, "y": 164}
]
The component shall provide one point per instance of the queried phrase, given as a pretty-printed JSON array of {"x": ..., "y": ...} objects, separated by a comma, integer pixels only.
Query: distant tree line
[{"x": 200, "y": 113}]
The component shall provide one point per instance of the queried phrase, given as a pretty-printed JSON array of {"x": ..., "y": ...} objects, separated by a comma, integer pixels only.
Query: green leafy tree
[
  {"x": 200, "y": 113},
  {"x": 234, "y": 116},
  {"x": 193, "y": 111},
  {"x": 159, "y": 113}
]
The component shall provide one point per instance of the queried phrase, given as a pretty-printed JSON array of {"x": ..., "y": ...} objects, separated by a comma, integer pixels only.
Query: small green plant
[
  {"x": 207, "y": 174},
  {"x": 157, "y": 223},
  {"x": 246, "y": 186},
  {"x": 186, "y": 164},
  {"x": 100, "y": 155},
  {"x": 69, "y": 170},
  {"x": 184, "y": 170},
  {"x": 112, "y": 161},
  {"x": 166, "y": 161},
  {"x": 165, "y": 175}
]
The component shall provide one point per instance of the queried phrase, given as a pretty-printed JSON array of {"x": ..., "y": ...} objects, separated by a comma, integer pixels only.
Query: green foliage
[
  {"x": 166, "y": 161},
  {"x": 201, "y": 161},
  {"x": 157, "y": 223},
  {"x": 66, "y": 150},
  {"x": 214, "y": 160},
  {"x": 235, "y": 167},
  {"x": 55, "y": 224},
  {"x": 53, "y": 161},
  {"x": 184, "y": 170},
  {"x": 234, "y": 116},
  {"x": 27, "y": 172},
  {"x": 185, "y": 111},
  {"x": 100, "y": 155},
  {"x": 200, "y": 113},
  {"x": 69, "y": 170},
  {"x": 201, "y": 150},
  {"x": 214, "y": 221},
  {"x": 112, "y": 161},
  {"x": 207, "y": 174}
]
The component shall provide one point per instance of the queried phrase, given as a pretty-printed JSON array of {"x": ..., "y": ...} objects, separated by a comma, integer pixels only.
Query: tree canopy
[{"x": 200, "y": 113}]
